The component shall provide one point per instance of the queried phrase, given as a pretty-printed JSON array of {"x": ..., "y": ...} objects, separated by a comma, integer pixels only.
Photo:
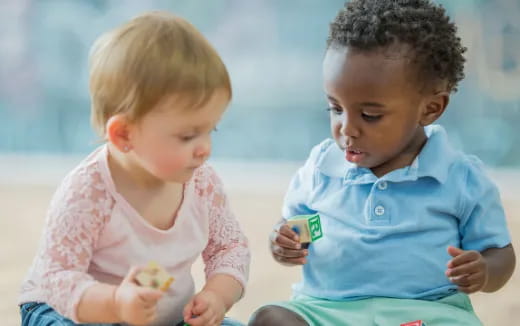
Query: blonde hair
[{"x": 151, "y": 56}]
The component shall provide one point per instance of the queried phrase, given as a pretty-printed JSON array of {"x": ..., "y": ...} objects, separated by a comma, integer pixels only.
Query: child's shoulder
[
  {"x": 472, "y": 171},
  {"x": 88, "y": 180},
  {"x": 85, "y": 192},
  {"x": 205, "y": 174},
  {"x": 206, "y": 180},
  {"x": 89, "y": 172}
]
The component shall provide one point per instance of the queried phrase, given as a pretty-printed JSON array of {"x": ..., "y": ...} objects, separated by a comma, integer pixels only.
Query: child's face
[
  {"x": 376, "y": 108},
  {"x": 170, "y": 142}
]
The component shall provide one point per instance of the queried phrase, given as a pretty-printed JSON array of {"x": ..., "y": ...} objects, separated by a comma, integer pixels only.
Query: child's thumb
[
  {"x": 188, "y": 310},
  {"x": 454, "y": 251},
  {"x": 150, "y": 295},
  {"x": 130, "y": 276},
  {"x": 199, "y": 306}
]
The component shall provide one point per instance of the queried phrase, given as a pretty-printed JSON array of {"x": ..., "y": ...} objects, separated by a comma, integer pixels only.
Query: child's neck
[
  {"x": 156, "y": 201},
  {"x": 405, "y": 158},
  {"x": 126, "y": 172}
]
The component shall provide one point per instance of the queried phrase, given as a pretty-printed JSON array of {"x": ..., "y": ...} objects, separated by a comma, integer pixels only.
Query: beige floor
[{"x": 22, "y": 208}]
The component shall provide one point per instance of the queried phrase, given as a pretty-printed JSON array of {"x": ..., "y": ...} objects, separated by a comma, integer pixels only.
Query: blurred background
[{"x": 273, "y": 50}]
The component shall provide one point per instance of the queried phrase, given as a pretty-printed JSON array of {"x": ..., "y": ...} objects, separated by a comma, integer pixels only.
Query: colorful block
[
  {"x": 154, "y": 276},
  {"x": 307, "y": 226},
  {"x": 414, "y": 323}
]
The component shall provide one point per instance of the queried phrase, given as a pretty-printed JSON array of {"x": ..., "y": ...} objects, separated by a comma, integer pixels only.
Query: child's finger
[
  {"x": 467, "y": 268},
  {"x": 463, "y": 258},
  {"x": 291, "y": 261},
  {"x": 454, "y": 251},
  {"x": 130, "y": 276},
  {"x": 285, "y": 242},
  {"x": 469, "y": 289},
  {"x": 199, "y": 320},
  {"x": 199, "y": 306},
  {"x": 188, "y": 310},
  {"x": 149, "y": 296},
  {"x": 285, "y": 239},
  {"x": 460, "y": 280},
  {"x": 289, "y": 253},
  {"x": 285, "y": 230},
  {"x": 151, "y": 314}
]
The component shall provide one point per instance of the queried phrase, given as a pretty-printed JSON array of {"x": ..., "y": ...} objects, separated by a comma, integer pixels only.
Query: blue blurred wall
[{"x": 273, "y": 50}]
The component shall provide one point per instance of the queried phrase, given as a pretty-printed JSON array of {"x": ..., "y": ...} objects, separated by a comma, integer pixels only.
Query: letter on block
[{"x": 307, "y": 226}]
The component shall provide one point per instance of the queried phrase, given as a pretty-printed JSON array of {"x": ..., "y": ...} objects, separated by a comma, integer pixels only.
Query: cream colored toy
[
  {"x": 308, "y": 227},
  {"x": 154, "y": 276}
]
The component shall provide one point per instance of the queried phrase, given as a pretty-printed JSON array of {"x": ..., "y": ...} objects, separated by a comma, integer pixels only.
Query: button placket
[{"x": 379, "y": 210}]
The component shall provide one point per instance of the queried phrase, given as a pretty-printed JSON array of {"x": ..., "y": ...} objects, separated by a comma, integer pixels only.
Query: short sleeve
[
  {"x": 296, "y": 201},
  {"x": 483, "y": 222}
]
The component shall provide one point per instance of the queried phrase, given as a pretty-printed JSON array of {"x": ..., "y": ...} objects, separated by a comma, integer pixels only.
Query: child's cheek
[{"x": 167, "y": 164}]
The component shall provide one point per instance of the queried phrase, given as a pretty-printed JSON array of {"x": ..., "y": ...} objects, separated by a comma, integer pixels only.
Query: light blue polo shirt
[{"x": 387, "y": 237}]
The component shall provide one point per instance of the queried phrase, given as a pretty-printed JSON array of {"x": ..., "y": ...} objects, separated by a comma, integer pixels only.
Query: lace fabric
[{"x": 77, "y": 215}]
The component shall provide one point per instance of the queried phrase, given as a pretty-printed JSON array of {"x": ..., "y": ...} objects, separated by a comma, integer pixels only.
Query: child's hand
[
  {"x": 136, "y": 304},
  {"x": 286, "y": 248},
  {"x": 468, "y": 269},
  {"x": 205, "y": 309}
]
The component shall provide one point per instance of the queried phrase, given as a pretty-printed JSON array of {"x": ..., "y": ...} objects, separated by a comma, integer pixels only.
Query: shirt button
[
  {"x": 382, "y": 185},
  {"x": 379, "y": 210}
]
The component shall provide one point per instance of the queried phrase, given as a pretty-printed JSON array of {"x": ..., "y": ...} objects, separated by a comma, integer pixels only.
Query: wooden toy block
[
  {"x": 307, "y": 226},
  {"x": 154, "y": 276},
  {"x": 414, "y": 323}
]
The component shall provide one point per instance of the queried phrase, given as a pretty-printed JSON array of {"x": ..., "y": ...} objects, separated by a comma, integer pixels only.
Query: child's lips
[{"x": 354, "y": 156}]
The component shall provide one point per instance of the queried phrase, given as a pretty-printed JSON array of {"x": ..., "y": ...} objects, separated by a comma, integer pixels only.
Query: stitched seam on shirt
[{"x": 462, "y": 205}]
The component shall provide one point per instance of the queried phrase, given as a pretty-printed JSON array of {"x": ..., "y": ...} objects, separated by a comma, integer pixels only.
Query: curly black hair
[{"x": 421, "y": 24}]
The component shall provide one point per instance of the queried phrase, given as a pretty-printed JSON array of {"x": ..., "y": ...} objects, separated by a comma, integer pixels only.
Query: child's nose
[
  {"x": 349, "y": 128},
  {"x": 203, "y": 150}
]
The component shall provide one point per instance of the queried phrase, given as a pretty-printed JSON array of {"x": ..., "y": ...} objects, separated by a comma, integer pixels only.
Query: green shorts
[{"x": 454, "y": 310}]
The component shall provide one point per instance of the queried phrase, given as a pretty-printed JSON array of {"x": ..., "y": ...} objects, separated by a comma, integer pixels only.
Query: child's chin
[{"x": 181, "y": 177}]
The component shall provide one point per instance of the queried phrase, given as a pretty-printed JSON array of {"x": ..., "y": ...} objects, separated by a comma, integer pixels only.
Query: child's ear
[
  {"x": 434, "y": 107},
  {"x": 118, "y": 132}
]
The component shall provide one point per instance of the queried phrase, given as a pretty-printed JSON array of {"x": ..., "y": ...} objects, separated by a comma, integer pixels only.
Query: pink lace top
[{"x": 92, "y": 234}]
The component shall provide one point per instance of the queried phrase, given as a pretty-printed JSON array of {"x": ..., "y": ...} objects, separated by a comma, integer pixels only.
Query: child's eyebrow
[
  {"x": 372, "y": 104},
  {"x": 362, "y": 104},
  {"x": 330, "y": 98}
]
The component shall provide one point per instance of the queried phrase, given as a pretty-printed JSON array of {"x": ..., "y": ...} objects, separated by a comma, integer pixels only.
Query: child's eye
[
  {"x": 370, "y": 117},
  {"x": 335, "y": 110},
  {"x": 187, "y": 138}
]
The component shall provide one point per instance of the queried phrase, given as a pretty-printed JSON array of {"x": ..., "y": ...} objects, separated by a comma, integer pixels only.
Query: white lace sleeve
[
  {"x": 227, "y": 251},
  {"x": 76, "y": 216}
]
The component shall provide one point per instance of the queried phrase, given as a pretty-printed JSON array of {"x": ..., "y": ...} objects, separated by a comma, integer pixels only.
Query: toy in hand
[
  {"x": 308, "y": 227},
  {"x": 414, "y": 323},
  {"x": 154, "y": 276}
]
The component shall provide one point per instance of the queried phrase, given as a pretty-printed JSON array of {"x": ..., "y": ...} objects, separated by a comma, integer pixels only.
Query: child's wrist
[
  {"x": 115, "y": 305},
  {"x": 225, "y": 300}
]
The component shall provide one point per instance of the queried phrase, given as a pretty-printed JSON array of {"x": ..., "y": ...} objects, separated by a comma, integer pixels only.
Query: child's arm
[
  {"x": 485, "y": 271},
  {"x": 227, "y": 251},
  {"x": 226, "y": 256},
  {"x": 128, "y": 302},
  {"x": 76, "y": 216},
  {"x": 98, "y": 300},
  {"x": 501, "y": 264},
  {"x": 482, "y": 225},
  {"x": 210, "y": 305}
]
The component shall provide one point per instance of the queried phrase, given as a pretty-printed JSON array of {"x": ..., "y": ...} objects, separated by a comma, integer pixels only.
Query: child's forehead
[
  {"x": 193, "y": 113},
  {"x": 189, "y": 103},
  {"x": 382, "y": 66}
]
